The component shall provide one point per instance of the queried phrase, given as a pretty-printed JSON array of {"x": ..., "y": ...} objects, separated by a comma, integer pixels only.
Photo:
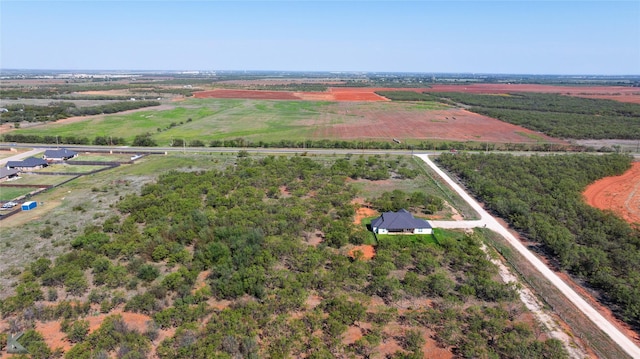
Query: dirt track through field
[{"x": 620, "y": 194}]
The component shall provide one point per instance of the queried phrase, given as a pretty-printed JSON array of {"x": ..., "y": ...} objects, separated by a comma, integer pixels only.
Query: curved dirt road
[{"x": 487, "y": 220}]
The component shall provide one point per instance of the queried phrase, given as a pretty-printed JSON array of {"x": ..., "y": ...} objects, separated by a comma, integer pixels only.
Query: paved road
[
  {"x": 486, "y": 219},
  {"x": 20, "y": 156}
]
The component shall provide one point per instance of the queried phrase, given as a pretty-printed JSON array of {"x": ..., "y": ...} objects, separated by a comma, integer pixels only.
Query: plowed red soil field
[
  {"x": 620, "y": 194},
  {"x": 398, "y": 120},
  {"x": 617, "y": 93}
]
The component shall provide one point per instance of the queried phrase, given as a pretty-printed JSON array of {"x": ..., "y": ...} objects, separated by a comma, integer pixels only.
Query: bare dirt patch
[
  {"x": 366, "y": 251},
  {"x": 620, "y": 194},
  {"x": 385, "y": 121},
  {"x": 364, "y": 212}
]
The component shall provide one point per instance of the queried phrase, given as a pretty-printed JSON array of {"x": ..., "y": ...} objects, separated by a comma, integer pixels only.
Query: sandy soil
[{"x": 620, "y": 194}]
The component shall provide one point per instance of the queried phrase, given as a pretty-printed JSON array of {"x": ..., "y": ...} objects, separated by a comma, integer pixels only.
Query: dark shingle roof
[
  {"x": 29, "y": 162},
  {"x": 60, "y": 153},
  {"x": 398, "y": 221}
]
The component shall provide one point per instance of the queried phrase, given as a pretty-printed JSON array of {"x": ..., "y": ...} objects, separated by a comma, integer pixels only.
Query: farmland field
[{"x": 272, "y": 121}]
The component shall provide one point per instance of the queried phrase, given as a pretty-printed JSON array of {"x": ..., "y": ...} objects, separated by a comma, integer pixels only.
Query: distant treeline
[
  {"x": 552, "y": 114},
  {"x": 541, "y": 197},
  {"x": 54, "y": 91},
  {"x": 59, "y": 110},
  {"x": 146, "y": 140}
]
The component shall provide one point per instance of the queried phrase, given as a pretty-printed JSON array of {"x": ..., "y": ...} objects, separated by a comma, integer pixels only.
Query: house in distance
[
  {"x": 401, "y": 222},
  {"x": 61, "y": 154},
  {"x": 28, "y": 164}
]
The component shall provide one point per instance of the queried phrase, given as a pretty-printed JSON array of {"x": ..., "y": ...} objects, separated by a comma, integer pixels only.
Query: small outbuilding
[
  {"x": 27, "y": 206},
  {"x": 401, "y": 222}
]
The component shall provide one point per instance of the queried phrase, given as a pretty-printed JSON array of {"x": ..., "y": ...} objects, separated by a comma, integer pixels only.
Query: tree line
[{"x": 60, "y": 110}]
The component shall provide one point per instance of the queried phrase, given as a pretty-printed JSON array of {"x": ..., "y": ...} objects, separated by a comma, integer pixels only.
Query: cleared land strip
[{"x": 491, "y": 223}]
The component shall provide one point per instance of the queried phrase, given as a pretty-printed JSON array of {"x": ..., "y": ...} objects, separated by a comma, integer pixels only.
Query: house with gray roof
[
  {"x": 28, "y": 164},
  {"x": 8, "y": 173},
  {"x": 401, "y": 222},
  {"x": 61, "y": 154}
]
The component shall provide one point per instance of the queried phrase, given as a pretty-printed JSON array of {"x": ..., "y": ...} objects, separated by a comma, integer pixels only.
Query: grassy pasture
[
  {"x": 63, "y": 167},
  {"x": 222, "y": 119},
  {"x": 9, "y": 193},
  {"x": 34, "y": 179},
  {"x": 101, "y": 157}
]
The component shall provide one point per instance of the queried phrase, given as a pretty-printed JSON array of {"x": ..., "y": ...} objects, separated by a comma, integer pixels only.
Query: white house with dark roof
[
  {"x": 61, "y": 154},
  {"x": 401, "y": 222}
]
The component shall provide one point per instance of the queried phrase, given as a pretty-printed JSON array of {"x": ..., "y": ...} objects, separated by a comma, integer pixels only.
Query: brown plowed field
[
  {"x": 617, "y": 93},
  {"x": 620, "y": 194},
  {"x": 398, "y": 120}
]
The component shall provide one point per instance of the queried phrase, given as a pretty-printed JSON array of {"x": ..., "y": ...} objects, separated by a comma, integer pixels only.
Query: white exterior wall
[
  {"x": 380, "y": 230},
  {"x": 422, "y": 231}
]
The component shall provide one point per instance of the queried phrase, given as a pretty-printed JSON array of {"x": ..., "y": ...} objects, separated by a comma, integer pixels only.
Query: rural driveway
[
  {"x": 20, "y": 156},
  {"x": 490, "y": 222}
]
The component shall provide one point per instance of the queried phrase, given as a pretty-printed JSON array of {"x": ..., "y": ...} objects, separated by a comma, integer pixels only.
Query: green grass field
[
  {"x": 68, "y": 168},
  {"x": 227, "y": 119},
  {"x": 100, "y": 157},
  {"x": 34, "y": 179},
  {"x": 9, "y": 193}
]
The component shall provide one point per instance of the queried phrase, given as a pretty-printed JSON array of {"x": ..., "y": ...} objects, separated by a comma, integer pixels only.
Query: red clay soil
[
  {"x": 395, "y": 120},
  {"x": 620, "y": 194},
  {"x": 367, "y": 251},
  {"x": 367, "y": 94},
  {"x": 55, "y": 338},
  {"x": 362, "y": 213}
]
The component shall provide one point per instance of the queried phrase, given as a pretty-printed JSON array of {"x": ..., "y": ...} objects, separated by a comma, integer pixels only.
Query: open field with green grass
[
  {"x": 34, "y": 179},
  {"x": 271, "y": 121},
  {"x": 101, "y": 157},
  {"x": 9, "y": 193},
  {"x": 69, "y": 168}
]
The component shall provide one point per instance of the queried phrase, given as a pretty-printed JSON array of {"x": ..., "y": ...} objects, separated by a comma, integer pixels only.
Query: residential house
[
  {"x": 401, "y": 222},
  {"x": 61, "y": 154}
]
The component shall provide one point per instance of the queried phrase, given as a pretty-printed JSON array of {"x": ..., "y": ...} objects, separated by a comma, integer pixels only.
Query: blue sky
[{"x": 528, "y": 37}]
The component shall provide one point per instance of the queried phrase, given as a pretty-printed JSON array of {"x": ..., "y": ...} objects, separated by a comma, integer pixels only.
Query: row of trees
[
  {"x": 59, "y": 110},
  {"x": 244, "y": 234},
  {"x": 541, "y": 197}
]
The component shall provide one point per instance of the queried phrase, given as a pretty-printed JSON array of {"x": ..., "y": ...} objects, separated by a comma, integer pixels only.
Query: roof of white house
[
  {"x": 398, "y": 221},
  {"x": 59, "y": 153},
  {"x": 29, "y": 162}
]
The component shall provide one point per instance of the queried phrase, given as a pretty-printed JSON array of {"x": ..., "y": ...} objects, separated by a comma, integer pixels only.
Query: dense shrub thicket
[
  {"x": 556, "y": 115},
  {"x": 246, "y": 235},
  {"x": 541, "y": 197}
]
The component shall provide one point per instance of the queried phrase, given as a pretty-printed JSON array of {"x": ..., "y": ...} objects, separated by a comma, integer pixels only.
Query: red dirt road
[{"x": 620, "y": 194}]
